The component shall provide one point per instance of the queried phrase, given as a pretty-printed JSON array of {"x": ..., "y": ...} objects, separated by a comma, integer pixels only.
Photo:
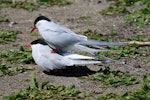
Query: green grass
[
  {"x": 139, "y": 94},
  {"x": 139, "y": 38},
  {"x": 32, "y": 6},
  {"x": 19, "y": 4},
  {"x": 112, "y": 78},
  {"x": 24, "y": 5},
  {"x": 21, "y": 55},
  {"x": 10, "y": 70},
  {"x": 54, "y": 2},
  {"x": 139, "y": 17},
  {"x": 120, "y": 6},
  {"x": 131, "y": 51},
  {"x": 114, "y": 10},
  {"x": 113, "y": 33},
  {"x": 7, "y": 36},
  {"x": 95, "y": 35},
  {"x": 44, "y": 91},
  {"x": 3, "y": 19},
  {"x": 85, "y": 17},
  {"x": 11, "y": 60}
]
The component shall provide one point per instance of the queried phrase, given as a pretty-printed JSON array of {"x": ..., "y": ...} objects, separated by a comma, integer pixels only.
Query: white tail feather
[
  {"x": 79, "y": 62},
  {"x": 81, "y": 59},
  {"x": 76, "y": 56}
]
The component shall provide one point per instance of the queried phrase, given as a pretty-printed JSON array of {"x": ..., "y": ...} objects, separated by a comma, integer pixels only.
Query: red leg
[{"x": 53, "y": 51}]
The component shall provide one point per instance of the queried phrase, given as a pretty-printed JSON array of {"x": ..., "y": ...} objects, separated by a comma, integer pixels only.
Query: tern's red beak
[
  {"x": 33, "y": 28},
  {"x": 27, "y": 45}
]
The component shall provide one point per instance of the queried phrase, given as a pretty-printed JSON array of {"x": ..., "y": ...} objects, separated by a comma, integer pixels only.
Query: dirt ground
[{"x": 68, "y": 16}]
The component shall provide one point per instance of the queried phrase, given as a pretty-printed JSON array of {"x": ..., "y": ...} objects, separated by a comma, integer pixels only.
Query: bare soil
[{"x": 69, "y": 17}]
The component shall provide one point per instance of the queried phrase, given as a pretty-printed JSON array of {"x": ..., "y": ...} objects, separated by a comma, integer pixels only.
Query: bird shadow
[{"x": 72, "y": 71}]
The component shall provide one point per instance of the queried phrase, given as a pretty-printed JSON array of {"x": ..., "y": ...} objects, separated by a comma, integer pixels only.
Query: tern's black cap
[
  {"x": 39, "y": 41},
  {"x": 41, "y": 18}
]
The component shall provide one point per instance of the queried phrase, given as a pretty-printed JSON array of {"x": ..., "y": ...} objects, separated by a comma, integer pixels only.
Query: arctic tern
[
  {"x": 61, "y": 38},
  {"x": 44, "y": 56}
]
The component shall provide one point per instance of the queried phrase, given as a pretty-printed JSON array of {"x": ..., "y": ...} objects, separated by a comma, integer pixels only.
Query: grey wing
[
  {"x": 59, "y": 40},
  {"x": 81, "y": 38},
  {"x": 100, "y": 43},
  {"x": 66, "y": 31},
  {"x": 60, "y": 28}
]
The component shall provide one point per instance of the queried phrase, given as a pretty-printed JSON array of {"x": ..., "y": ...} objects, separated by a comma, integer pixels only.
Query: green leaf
[
  {"x": 112, "y": 78},
  {"x": 8, "y": 36},
  {"x": 47, "y": 92},
  {"x": 3, "y": 19},
  {"x": 142, "y": 93},
  {"x": 44, "y": 84},
  {"x": 33, "y": 81},
  {"x": 54, "y": 2}
]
